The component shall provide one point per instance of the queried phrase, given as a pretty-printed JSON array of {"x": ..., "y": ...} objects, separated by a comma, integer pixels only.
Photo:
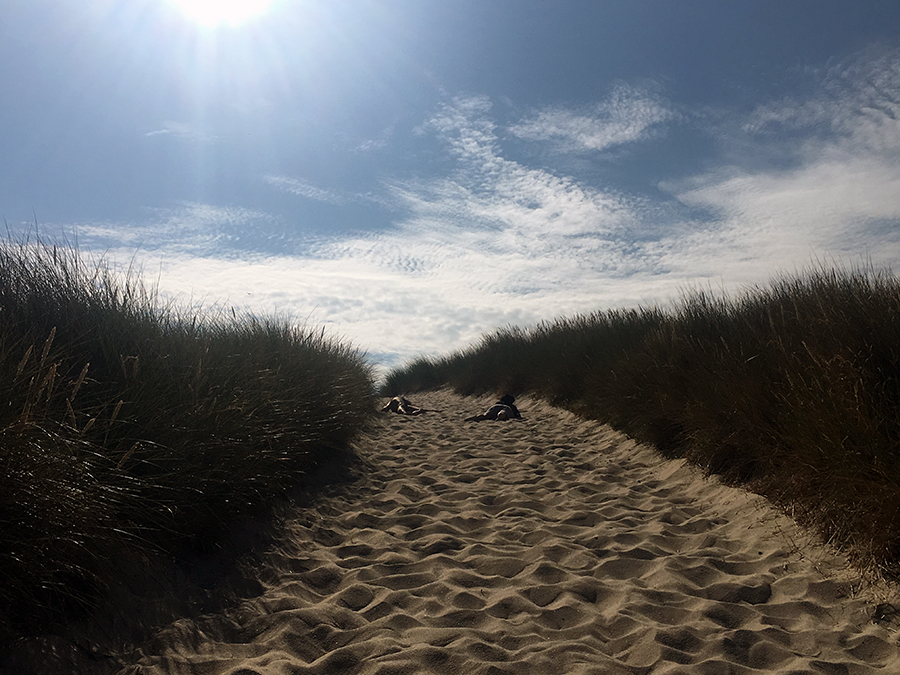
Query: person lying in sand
[
  {"x": 502, "y": 410},
  {"x": 402, "y": 406}
]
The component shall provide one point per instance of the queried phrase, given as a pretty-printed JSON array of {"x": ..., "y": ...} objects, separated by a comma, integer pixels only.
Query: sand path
[{"x": 547, "y": 545}]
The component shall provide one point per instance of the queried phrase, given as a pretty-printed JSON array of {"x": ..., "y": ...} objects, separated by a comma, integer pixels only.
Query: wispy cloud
[
  {"x": 856, "y": 102},
  {"x": 496, "y": 241},
  {"x": 501, "y": 242},
  {"x": 190, "y": 228},
  {"x": 302, "y": 188},
  {"x": 498, "y": 236},
  {"x": 627, "y": 115},
  {"x": 840, "y": 191},
  {"x": 307, "y": 190},
  {"x": 183, "y": 130}
]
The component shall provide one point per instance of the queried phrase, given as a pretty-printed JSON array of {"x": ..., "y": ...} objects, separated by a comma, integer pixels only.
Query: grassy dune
[
  {"x": 130, "y": 428},
  {"x": 792, "y": 390}
]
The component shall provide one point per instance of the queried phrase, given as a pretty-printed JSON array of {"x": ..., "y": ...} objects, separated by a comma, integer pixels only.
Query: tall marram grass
[
  {"x": 127, "y": 425},
  {"x": 792, "y": 390}
]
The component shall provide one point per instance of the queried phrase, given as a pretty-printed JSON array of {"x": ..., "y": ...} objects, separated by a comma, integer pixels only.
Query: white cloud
[
  {"x": 497, "y": 227},
  {"x": 839, "y": 196},
  {"x": 626, "y": 116},
  {"x": 305, "y": 189},
  {"x": 188, "y": 228},
  {"x": 498, "y": 242},
  {"x": 857, "y": 104},
  {"x": 183, "y": 130},
  {"x": 377, "y": 307}
]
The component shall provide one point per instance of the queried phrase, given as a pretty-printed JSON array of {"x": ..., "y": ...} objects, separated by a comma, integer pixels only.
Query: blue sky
[{"x": 411, "y": 174}]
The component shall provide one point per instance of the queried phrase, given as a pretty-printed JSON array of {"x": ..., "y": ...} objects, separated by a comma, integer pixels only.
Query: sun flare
[{"x": 216, "y": 12}]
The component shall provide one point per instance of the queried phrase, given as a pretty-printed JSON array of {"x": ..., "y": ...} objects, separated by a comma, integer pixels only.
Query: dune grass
[
  {"x": 791, "y": 390},
  {"x": 129, "y": 426}
]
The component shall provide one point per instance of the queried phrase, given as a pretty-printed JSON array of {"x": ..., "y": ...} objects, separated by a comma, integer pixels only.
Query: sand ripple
[{"x": 548, "y": 545}]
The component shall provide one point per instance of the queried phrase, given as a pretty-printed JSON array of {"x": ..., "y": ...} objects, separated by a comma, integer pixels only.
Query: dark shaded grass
[
  {"x": 129, "y": 428},
  {"x": 791, "y": 390}
]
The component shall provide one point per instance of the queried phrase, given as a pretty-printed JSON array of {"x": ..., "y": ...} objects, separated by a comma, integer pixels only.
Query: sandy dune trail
[{"x": 546, "y": 545}]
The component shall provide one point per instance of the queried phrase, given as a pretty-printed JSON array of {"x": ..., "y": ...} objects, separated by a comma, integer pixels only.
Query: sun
[{"x": 217, "y": 12}]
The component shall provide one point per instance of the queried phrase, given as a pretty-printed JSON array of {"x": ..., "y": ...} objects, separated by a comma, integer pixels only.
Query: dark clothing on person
[
  {"x": 501, "y": 410},
  {"x": 507, "y": 400}
]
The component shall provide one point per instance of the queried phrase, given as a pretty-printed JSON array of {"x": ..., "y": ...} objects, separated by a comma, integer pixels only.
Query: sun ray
[{"x": 217, "y": 12}]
